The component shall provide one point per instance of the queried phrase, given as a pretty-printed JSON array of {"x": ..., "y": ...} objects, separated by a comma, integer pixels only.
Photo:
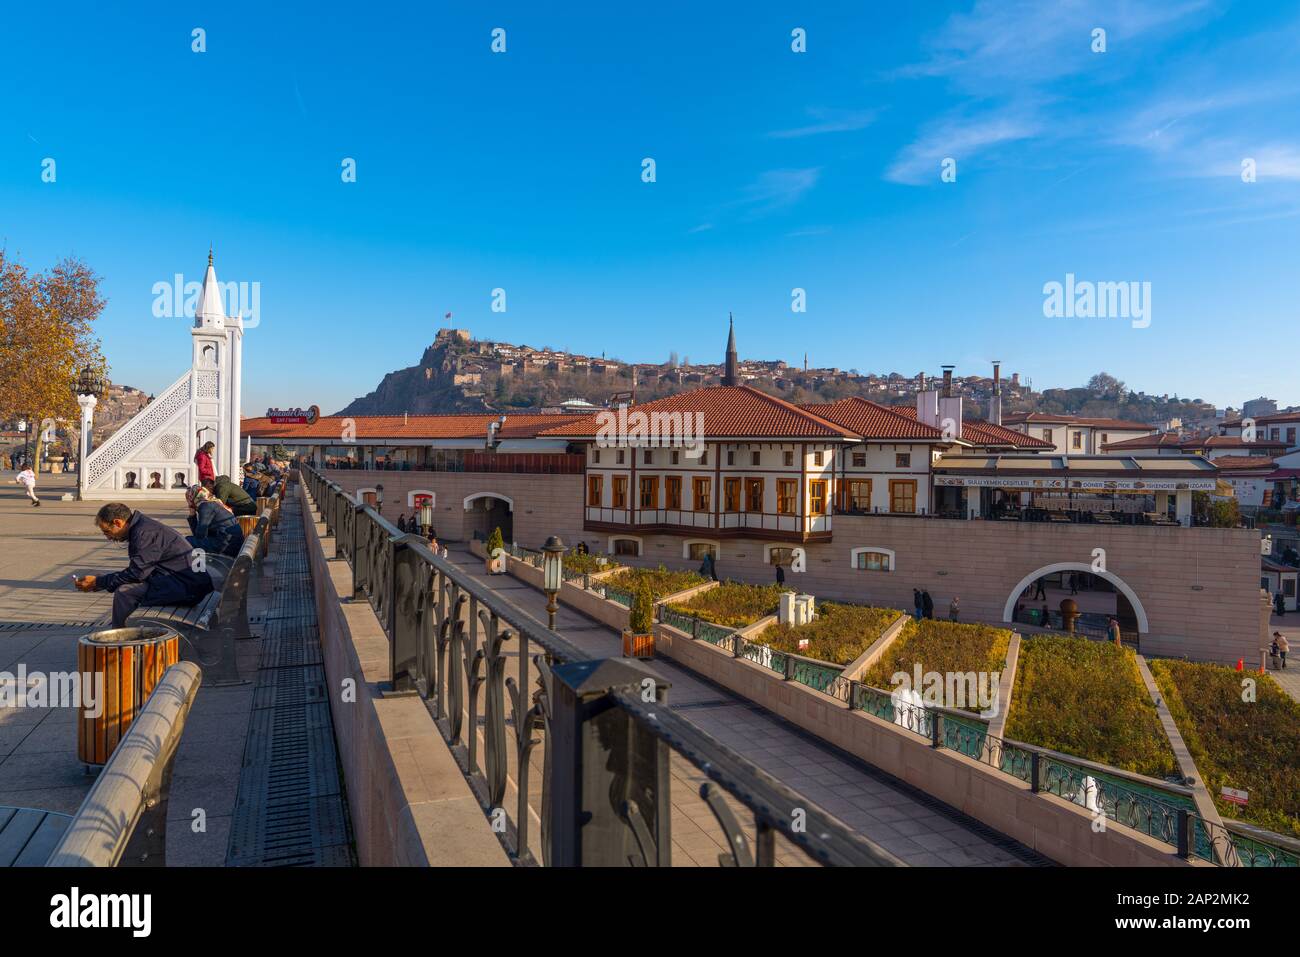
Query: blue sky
[{"x": 775, "y": 170}]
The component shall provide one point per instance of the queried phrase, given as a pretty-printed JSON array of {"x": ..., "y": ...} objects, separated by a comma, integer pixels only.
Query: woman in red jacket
[{"x": 203, "y": 459}]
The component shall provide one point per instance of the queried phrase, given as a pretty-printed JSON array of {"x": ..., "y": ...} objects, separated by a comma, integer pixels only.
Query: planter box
[{"x": 638, "y": 645}]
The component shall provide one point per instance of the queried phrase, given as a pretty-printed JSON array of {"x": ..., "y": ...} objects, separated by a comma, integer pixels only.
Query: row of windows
[
  {"x": 902, "y": 460},
  {"x": 862, "y": 559},
  {"x": 855, "y": 494}
]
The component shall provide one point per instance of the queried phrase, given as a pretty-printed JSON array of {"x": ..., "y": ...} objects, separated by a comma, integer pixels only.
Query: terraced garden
[
  {"x": 662, "y": 581},
  {"x": 577, "y": 564},
  {"x": 941, "y": 646},
  {"x": 732, "y": 605},
  {"x": 1252, "y": 746},
  {"x": 1087, "y": 699},
  {"x": 839, "y": 633}
]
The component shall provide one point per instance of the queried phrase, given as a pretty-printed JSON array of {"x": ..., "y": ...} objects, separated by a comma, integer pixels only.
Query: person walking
[
  {"x": 159, "y": 571},
  {"x": 1074, "y": 584},
  {"x": 203, "y": 459},
  {"x": 1113, "y": 632},
  {"x": 927, "y": 604},
  {"x": 780, "y": 574},
  {"x": 1038, "y": 591},
  {"x": 28, "y": 478},
  {"x": 918, "y": 606},
  {"x": 1279, "y": 604},
  {"x": 954, "y": 608},
  {"x": 1283, "y": 646}
]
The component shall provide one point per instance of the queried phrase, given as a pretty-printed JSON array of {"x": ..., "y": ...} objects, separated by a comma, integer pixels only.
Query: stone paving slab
[{"x": 40, "y": 550}]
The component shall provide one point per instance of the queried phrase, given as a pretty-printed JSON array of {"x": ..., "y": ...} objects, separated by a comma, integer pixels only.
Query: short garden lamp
[
  {"x": 379, "y": 499},
  {"x": 552, "y": 574},
  {"x": 426, "y": 516}
]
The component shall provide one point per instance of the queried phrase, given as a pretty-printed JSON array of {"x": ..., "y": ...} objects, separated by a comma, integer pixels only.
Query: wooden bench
[
  {"x": 221, "y": 618},
  {"x": 123, "y": 820},
  {"x": 29, "y": 835}
]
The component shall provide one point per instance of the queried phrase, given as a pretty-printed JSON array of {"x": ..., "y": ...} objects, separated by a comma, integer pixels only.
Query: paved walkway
[
  {"x": 1289, "y": 678},
  {"x": 901, "y": 819},
  {"x": 41, "y": 618}
]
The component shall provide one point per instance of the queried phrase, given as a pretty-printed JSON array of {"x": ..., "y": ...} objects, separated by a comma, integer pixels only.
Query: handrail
[
  {"x": 447, "y": 636},
  {"x": 124, "y": 817}
]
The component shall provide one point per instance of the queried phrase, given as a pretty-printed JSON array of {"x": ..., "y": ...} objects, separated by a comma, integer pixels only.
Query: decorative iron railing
[{"x": 602, "y": 794}]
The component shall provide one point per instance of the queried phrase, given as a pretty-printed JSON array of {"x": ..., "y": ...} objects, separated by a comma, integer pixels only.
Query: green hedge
[
  {"x": 662, "y": 581},
  {"x": 733, "y": 605},
  {"x": 1087, "y": 699},
  {"x": 839, "y": 633},
  {"x": 1250, "y": 746}
]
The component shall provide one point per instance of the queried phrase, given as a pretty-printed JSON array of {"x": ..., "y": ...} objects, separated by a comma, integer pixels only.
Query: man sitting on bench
[
  {"x": 159, "y": 572},
  {"x": 231, "y": 495}
]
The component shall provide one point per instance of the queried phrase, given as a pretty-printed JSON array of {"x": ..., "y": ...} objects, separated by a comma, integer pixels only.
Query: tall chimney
[
  {"x": 995, "y": 403},
  {"x": 947, "y": 382}
]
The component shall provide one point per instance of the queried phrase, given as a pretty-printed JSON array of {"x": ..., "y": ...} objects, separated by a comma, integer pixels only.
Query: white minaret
[{"x": 217, "y": 348}]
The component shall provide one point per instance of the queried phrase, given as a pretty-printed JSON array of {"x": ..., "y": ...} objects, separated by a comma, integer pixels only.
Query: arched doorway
[
  {"x": 485, "y": 511},
  {"x": 1098, "y": 594}
]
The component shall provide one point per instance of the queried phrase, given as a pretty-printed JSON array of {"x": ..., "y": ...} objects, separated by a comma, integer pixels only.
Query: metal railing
[
  {"x": 603, "y": 797},
  {"x": 1168, "y": 816}
]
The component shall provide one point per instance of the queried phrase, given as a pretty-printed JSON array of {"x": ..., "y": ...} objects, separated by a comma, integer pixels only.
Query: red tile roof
[
  {"x": 1161, "y": 440},
  {"x": 1234, "y": 442},
  {"x": 1233, "y": 463},
  {"x": 367, "y": 427},
  {"x": 980, "y": 432},
  {"x": 741, "y": 412},
  {"x": 1045, "y": 418},
  {"x": 873, "y": 421},
  {"x": 1271, "y": 418}
]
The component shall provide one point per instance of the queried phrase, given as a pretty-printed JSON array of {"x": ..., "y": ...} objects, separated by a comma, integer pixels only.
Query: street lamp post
[
  {"x": 426, "y": 517},
  {"x": 552, "y": 575},
  {"x": 379, "y": 499},
  {"x": 88, "y": 388}
]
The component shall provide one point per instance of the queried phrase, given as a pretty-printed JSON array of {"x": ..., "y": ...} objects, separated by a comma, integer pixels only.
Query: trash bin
[{"x": 131, "y": 662}]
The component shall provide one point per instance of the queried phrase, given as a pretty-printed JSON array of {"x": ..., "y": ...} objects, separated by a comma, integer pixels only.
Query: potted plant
[
  {"x": 495, "y": 562},
  {"x": 639, "y": 635}
]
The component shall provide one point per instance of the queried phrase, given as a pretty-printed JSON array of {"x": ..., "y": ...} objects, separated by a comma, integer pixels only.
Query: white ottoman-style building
[{"x": 152, "y": 455}]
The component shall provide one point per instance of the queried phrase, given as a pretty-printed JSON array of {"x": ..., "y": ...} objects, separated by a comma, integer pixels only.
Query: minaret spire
[{"x": 731, "y": 373}]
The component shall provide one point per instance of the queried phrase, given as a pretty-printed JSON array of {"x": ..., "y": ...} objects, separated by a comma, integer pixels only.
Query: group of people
[
  {"x": 1279, "y": 649},
  {"x": 923, "y": 606}
]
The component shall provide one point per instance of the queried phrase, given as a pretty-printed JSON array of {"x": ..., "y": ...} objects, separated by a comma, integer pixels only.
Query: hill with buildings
[{"x": 458, "y": 373}]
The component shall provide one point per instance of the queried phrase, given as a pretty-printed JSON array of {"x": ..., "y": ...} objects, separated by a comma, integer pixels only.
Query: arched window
[
  {"x": 625, "y": 546},
  {"x": 696, "y": 549},
  {"x": 872, "y": 559}
]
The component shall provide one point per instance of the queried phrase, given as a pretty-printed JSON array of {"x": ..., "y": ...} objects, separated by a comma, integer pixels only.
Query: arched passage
[
  {"x": 1121, "y": 586},
  {"x": 485, "y": 511}
]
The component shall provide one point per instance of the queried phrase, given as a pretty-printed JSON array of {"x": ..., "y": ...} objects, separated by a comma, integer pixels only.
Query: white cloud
[
  {"x": 829, "y": 121},
  {"x": 959, "y": 138},
  {"x": 778, "y": 189}
]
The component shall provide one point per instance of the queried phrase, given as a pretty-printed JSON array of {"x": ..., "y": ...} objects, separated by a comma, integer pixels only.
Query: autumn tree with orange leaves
[{"x": 46, "y": 338}]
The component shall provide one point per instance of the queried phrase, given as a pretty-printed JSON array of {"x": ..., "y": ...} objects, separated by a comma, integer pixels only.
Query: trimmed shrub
[
  {"x": 1252, "y": 746},
  {"x": 1086, "y": 698},
  {"x": 839, "y": 633},
  {"x": 641, "y": 616},
  {"x": 944, "y": 647},
  {"x": 733, "y": 605},
  {"x": 588, "y": 563},
  {"x": 495, "y": 541},
  {"x": 662, "y": 581}
]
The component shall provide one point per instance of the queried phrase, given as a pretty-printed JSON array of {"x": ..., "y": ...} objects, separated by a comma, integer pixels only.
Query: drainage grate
[{"x": 290, "y": 809}]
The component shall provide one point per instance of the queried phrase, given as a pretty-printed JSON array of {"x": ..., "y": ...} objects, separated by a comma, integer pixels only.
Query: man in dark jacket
[
  {"x": 159, "y": 571},
  {"x": 927, "y": 604},
  {"x": 216, "y": 530},
  {"x": 228, "y": 493}
]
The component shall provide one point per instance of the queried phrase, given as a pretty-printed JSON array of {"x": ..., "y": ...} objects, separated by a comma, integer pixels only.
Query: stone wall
[{"x": 1199, "y": 587}]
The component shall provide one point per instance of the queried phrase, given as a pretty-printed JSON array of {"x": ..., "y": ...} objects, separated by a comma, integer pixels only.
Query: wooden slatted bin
[{"x": 131, "y": 662}]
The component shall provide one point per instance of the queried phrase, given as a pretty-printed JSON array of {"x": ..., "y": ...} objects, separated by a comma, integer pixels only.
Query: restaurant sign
[
  {"x": 1082, "y": 485},
  {"x": 294, "y": 416}
]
